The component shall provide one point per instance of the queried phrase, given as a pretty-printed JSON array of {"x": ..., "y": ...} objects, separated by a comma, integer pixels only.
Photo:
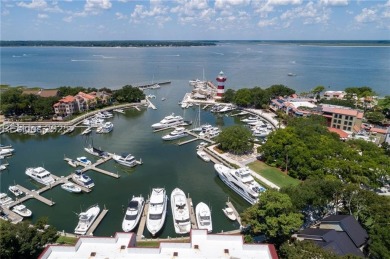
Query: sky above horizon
[{"x": 195, "y": 20}]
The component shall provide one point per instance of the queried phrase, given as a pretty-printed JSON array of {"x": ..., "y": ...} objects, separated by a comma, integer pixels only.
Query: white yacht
[
  {"x": 180, "y": 212},
  {"x": 5, "y": 200},
  {"x": 203, "y": 217},
  {"x": 83, "y": 179},
  {"x": 40, "y": 174},
  {"x": 168, "y": 121},
  {"x": 15, "y": 190},
  {"x": 250, "y": 119},
  {"x": 87, "y": 131},
  {"x": 133, "y": 213},
  {"x": 71, "y": 187},
  {"x": 96, "y": 152},
  {"x": 241, "y": 181},
  {"x": 93, "y": 122},
  {"x": 105, "y": 128},
  {"x": 179, "y": 132},
  {"x": 227, "y": 108},
  {"x": 84, "y": 160},
  {"x": 72, "y": 162},
  {"x": 229, "y": 213},
  {"x": 119, "y": 110},
  {"x": 22, "y": 210},
  {"x": 157, "y": 210},
  {"x": 6, "y": 151},
  {"x": 126, "y": 160},
  {"x": 203, "y": 155},
  {"x": 86, "y": 219}
]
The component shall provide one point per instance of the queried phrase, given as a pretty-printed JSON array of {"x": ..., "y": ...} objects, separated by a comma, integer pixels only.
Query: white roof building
[{"x": 201, "y": 245}]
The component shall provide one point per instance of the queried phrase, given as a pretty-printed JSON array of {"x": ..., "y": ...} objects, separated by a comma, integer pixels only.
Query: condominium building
[
  {"x": 343, "y": 118},
  {"x": 65, "y": 106}
]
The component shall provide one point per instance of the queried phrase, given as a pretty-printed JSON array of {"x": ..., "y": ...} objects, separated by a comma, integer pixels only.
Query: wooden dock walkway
[
  {"x": 35, "y": 194},
  {"x": 12, "y": 216},
  {"x": 97, "y": 222},
  {"x": 142, "y": 223},
  {"x": 194, "y": 224},
  {"x": 187, "y": 141},
  {"x": 94, "y": 166},
  {"x": 230, "y": 205}
]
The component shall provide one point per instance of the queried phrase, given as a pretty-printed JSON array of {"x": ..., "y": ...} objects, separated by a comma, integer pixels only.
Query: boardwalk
[
  {"x": 194, "y": 225},
  {"x": 142, "y": 222},
  {"x": 11, "y": 216},
  {"x": 34, "y": 194},
  {"x": 96, "y": 222}
]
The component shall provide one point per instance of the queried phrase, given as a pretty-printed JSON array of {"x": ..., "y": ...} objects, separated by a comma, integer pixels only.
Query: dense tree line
[
  {"x": 128, "y": 94},
  {"x": 306, "y": 148},
  {"x": 23, "y": 240},
  {"x": 118, "y": 43},
  {"x": 278, "y": 215},
  {"x": 256, "y": 97},
  {"x": 235, "y": 139}
]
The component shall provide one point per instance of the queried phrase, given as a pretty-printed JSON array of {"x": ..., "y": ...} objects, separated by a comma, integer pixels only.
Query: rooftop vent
[
  {"x": 226, "y": 251},
  {"x": 123, "y": 247},
  {"x": 93, "y": 253},
  {"x": 196, "y": 247},
  {"x": 175, "y": 253}
]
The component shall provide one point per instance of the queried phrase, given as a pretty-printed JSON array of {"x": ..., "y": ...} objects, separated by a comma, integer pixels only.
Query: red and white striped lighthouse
[{"x": 221, "y": 84}]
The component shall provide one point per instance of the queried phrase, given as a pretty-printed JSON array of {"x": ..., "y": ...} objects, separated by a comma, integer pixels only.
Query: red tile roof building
[{"x": 66, "y": 106}]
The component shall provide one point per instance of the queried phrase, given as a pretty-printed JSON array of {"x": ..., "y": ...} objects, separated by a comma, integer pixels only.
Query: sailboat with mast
[{"x": 200, "y": 127}]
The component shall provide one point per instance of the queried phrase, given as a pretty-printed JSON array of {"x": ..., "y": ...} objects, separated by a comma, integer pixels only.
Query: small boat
[
  {"x": 96, "y": 152},
  {"x": 157, "y": 210},
  {"x": 119, "y": 110},
  {"x": 202, "y": 145},
  {"x": 22, "y": 210},
  {"x": 15, "y": 190},
  {"x": 86, "y": 131},
  {"x": 203, "y": 155},
  {"x": 86, "y": 219},
  {"x": 5, "y": 200},
  {"x": 72, "y": 162},
  {"x": 83, "y": 179},
  {"x": 40, "y": 174},
  {"x": 106, "y": 128},
  {"x": 84, "y": 160},
  {"x": 133, "y": 213},
  {"x": 203, "y": 216},
  {"x": 291, "y": 74},
  {"x": 163, "y": 99},
  {"x": 70, "y": 187},
  {"x": 6, "y": 151},
  {"x": 179, "y": 132},
  {"x": 126, "y": 160},
  {"x": 3, "y": 167},
  {"x": 229, "y": 213},
  {"x": 180, "y": 212}
]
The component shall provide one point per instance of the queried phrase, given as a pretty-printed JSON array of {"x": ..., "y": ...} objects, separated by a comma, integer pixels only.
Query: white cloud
[
  {"x": 310, "y": 13},
  {"x": 35, "y": 4},
  {"x": 97, "y": 5},
  {"x": 120, "y": 16},
  {"x": 334, "y": 2},
  {"x": 284, "y": 2},
  {"x": 367, "y": 15},
  {"x": 68, "y": 19},
  {"x": 267, "y": 23},
  {"x": 221, "y": 4},
  {"x": 43, "y": 16}
]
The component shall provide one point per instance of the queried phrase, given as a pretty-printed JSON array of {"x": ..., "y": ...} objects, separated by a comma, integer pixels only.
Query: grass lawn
[
  {"x": 272, "y": 174},
  {"x": 67, "y": 240}
]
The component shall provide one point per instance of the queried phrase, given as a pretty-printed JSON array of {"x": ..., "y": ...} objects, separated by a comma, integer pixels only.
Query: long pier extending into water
[
  {"x": 142, "y": 223},
  {"x": 97, "y": 222}
]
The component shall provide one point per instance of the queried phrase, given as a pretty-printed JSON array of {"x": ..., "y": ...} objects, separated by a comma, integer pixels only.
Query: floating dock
[
  {"x": 230, "y": 205},
  {"x": 142, "y": 222},
  {"x": 96, "y": 222},
  {"x": 12, "y": 216},
  {"x": 194, "y": 224}
]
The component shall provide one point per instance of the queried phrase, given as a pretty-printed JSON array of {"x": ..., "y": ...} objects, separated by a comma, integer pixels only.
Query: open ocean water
[{"x": 246, "y": 64}]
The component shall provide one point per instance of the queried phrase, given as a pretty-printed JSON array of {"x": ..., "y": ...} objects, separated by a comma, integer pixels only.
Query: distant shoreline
[{"x": 189, "y": 43}]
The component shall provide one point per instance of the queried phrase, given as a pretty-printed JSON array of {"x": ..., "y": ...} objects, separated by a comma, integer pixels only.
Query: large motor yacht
[
  {"x": 157, "y": 211},
  {"x": 179, "y": 132},
  {"x": 241, "y": 181},
  {"x": 203, "y": 217},
  {"x": 168, "y": 121},
  {"x": 40, "y": 174},
  {"x": 86, "y": 219},
  {"x": 133, "y": 213},
  {"x": 180, "y": 212},
  {"x": 126, "y": 160},
  {"x": 22, "y": 210},
  {"x": 96, "y": 151},
  {"x": 82, "y": 179}
]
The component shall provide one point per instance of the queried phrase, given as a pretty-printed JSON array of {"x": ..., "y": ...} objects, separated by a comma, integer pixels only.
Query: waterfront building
[
  {"x": 343, "y": 118},
  {"x": 65, "y": 106},
  {"x": 200, "y": 245},
  {"x": 221, "y": 84},
  {"x": 85, "y": 101},
  {"x": 334, "y": 95}
]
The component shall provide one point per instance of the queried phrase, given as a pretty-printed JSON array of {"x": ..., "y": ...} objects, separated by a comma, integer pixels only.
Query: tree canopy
[
  {"x": 235, "y": 139},
  {"x": 128, "y": 94}
]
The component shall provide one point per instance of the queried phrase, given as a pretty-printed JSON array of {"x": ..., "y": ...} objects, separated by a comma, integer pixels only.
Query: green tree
[
  {"x": 129, "y": 94},
  {"x": 279, "y": 90},
  {"x": 228, "y": 96},
  {"x": 317, "y": 91},
  {"x": 235, "y": 139},
  {"x": 375, "y": 117},
  {"x": 243, "y": 97},
  {"x": 274, "y": 216}
]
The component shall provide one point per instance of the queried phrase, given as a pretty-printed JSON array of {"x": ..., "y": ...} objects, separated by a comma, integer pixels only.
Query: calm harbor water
[{"x": 165, "y": 164}]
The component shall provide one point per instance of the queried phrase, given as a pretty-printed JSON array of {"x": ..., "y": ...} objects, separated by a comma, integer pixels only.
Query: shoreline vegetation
[{"x": 185, "y": 43}]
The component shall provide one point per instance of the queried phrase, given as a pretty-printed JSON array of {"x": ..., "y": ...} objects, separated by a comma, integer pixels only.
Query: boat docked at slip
[
  {"x": 107, "y": 127},
  {"x": 6, "y": 151},
  {"x": 96, "y": 152},
  {"x": 83, "y": 179},
  {"x": 241, "y": 181},
  {"x": 157, "y": 210},
  {"x": 203, "y": 217},
  {"x": 15, "y": 190},
  {"x": 133, "y": 213},
  {"x": 84, "y": 160},
  {"x": 5, "y": 200},
  {"x": 119, "y": 110},
  {"x": 229, "y": 213},
  {"x": 87, "y": 131},
  {"x": 22, "y": 210},
  {"x": 168, "y": 121},
  {"x": 203, "y": 155},
  {"x": 126, "y": 160},
  {"x": 251, "y": 119},
  {"x": 40, "y": 174},
  {"x": 86, "y": 219},
  {"x": 180, "y": 212},
  {"x": 71, "y": 187},
  {"x": 179, "y": 132}
]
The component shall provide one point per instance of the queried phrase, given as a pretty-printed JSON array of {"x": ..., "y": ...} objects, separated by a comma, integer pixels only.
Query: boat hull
[
  {"x": 132, "y": 218},
  {"x": 180, "y": 212},
  {"x": 157, "y": 211},
  {"x": 203, "y": 217}
]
